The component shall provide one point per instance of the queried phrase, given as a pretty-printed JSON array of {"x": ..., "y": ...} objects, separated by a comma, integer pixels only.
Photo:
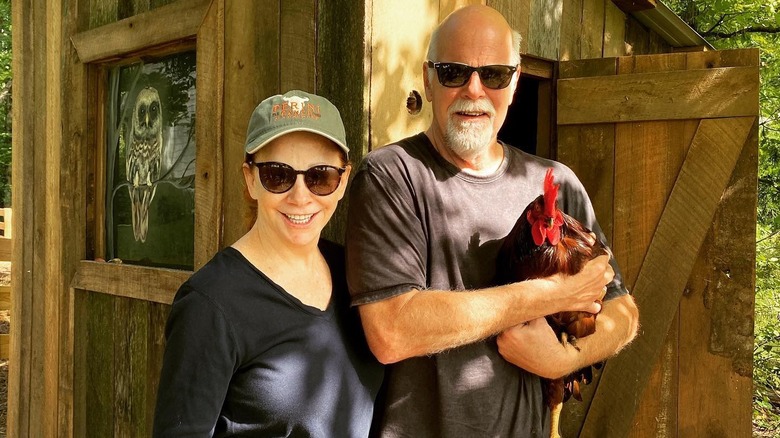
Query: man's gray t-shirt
[{"x": 417, "y": 222}]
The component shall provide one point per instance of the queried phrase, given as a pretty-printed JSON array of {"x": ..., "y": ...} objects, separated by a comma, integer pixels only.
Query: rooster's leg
[
  {"x": 555, "y": 420},
  {"x": 569, "y": 339}
]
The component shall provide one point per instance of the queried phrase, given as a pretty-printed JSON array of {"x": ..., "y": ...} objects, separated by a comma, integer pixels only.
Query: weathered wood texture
[
  {"x": 209, "y": 169},
  {"x": 399, "y": 42},
  {"x": 517, "y": 15},
  {"x": 252, "y": 66},
  {"x": 544, "y": 28},
  {"x": 614, "y": 31},
  {"x": 33, "y": 378},
  {"x": 656, "y": 151},
  {"x": 342, "y": 76},
  {"x": 170, "y": 23},
  {"x": 120, "y": 348},
  {"x": 5, "y": 305},
  {"x": 149, "y": 284},
  {"x": 297, "y": 44},
  {"x": 690, "y": 94},
  {"x": 6, "y": 227},
  {"x": 656, "y": 159}
]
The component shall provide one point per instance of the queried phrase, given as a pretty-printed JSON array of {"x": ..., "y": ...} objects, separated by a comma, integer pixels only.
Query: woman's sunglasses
[
  {"x": 279, "y": 177},
  {"x": 455, "y": 74}
]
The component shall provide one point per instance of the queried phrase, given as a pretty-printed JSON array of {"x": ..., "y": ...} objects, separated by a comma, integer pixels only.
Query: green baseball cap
[{"x": 293, "y": 111}]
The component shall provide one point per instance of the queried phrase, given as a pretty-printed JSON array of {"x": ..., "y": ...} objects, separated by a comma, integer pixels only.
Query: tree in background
[
  {"x": 731, "y": 24},
  {"x": 5, "y": 103}
]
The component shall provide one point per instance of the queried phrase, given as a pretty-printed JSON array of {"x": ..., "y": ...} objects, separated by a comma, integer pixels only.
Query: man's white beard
[{"x": 467, "y": 139}]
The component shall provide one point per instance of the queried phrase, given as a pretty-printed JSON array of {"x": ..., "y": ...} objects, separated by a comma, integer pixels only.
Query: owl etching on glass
[{"x": 143, "y": 157}]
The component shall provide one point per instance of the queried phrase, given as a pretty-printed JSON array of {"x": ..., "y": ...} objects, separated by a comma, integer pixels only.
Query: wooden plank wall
[
  {"x": 700, "y": 383},
  {"x": 343, "y": 58}
]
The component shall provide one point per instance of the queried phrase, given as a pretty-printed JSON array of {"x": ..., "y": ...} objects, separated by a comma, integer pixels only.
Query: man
[{"x": 427, "y": 216}]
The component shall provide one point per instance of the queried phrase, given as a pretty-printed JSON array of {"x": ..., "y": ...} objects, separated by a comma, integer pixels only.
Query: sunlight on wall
[{"x": 399, "y": 41}]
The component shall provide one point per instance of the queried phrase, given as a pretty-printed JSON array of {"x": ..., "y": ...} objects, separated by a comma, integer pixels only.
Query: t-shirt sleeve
[
  {"x": 385, "y": 243},
  {"x": 576, "y": 203},
  {"x": 199, "y": 360}
]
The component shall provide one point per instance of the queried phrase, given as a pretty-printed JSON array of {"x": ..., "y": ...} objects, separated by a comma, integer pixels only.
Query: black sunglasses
[
  {"x": 279, "y": 177},
  {"x": 455, "y": 74}
]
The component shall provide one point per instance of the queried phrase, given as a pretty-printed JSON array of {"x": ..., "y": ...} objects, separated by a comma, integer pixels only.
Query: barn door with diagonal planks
[{"x": 667, "y": 147}]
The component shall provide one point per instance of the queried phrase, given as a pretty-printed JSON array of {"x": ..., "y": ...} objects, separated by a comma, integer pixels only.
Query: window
[{"x": 150, "y": 161}]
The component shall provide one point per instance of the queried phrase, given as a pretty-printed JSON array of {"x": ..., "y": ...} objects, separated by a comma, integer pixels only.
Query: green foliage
[
  {"x": 766, "y": 356},
  {"x": 730, "y": 24},
  {"x": 5, "y": 103}
]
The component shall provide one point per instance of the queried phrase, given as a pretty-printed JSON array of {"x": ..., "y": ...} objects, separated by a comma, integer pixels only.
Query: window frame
[{"x": 171, "y": 29}]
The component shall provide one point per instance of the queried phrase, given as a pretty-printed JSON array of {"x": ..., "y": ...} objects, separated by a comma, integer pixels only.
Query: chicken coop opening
[{"x": 522, "y": 121}]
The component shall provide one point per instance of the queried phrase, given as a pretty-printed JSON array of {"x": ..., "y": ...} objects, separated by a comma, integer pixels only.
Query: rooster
[{"x": 544, "y": 242}]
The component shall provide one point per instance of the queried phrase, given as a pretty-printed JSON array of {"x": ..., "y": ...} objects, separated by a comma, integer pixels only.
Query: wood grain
[
  {"x": 572, "y": 30},
  {"x": 723, "y": 92},
  {"x": 158, "y": 285},
  {"x": 593, "y": 25},
  {"x": 343, "y": 53},
  {"x": 164, "y": 25},
  {"x": 252, "y": 69},
  {"x": 298, "y": 69},
  {"x": 652, "y": 154},
  {"x": 614, "y": 31},
  {"x": 717, "y": 307},
  {"x": 210, "y": 87},
  {"x": 544, "y": 28},
  {"x": 517, "y": 14},
  {"x": 399, "y": 42},
  {"x": 664, "y": 273}
]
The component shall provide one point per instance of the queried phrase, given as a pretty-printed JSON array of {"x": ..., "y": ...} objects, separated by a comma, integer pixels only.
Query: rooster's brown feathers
[{"x": 566, "y": 251}]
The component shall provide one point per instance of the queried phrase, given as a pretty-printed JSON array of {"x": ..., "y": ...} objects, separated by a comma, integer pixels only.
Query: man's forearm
[
  {"x": 419, "y": 323},
  {"x": 616, "y": 327},
  {"x": 535, "y": 348}
]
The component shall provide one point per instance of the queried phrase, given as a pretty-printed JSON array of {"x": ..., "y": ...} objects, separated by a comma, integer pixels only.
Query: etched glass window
[{"x": 150, "y": 162}]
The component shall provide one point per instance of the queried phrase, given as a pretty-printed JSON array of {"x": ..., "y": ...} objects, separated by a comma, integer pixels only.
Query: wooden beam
[
  {"x": 343, "y": 54},
  {"x": 298, "y": 45},
  {"x": 252, "y": 66},
  {"x": 167, "y": 24},
  {"x": 635, "y": 5},
  {"x": 544, "y": 28},
  {"x": 6, "y": 246},
  {"x": 536, "y": 67},
  {"x": 27, "y": 32},
  {"x": 664, "y": 274},
  {"x": 5, "y": 341},
  {"x": 140, "y": 282},
  {"x": 210, "y": 85},
  {"x": 720, "y": 92}
]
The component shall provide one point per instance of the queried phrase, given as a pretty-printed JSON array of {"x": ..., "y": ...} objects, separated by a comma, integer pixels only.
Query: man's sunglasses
[
  {"x": 279, "y": 177},
  {"x": 455, "y": 74}
]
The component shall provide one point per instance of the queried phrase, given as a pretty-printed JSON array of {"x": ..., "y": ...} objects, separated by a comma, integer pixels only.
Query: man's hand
[
  {"x": 584, "y": 290},
  {"x": 534, "y": 347}
]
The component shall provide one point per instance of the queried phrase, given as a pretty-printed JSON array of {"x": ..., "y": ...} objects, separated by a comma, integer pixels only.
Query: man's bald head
[{"x": 473, "y": 18}]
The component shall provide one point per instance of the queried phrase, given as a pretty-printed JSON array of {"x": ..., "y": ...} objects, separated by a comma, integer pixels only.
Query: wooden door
[{"x": 667, "y": 147}]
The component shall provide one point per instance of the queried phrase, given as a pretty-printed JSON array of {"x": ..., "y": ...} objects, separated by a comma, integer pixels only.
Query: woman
[{"x": 261, "y": 340}]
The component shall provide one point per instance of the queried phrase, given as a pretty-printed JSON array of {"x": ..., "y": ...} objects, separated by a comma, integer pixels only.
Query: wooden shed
[{"x": 661, "y": 129}]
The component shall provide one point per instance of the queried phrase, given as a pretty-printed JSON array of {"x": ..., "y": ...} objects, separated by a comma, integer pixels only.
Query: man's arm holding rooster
[
  {"x": 419, "y": 323},
  {"x": 535, "y": 348}
]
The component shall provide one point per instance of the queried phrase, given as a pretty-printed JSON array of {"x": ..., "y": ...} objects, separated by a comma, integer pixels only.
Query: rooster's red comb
[
  {"x": 550, "y": 194},
  {"x": 547, "y": 226}
]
